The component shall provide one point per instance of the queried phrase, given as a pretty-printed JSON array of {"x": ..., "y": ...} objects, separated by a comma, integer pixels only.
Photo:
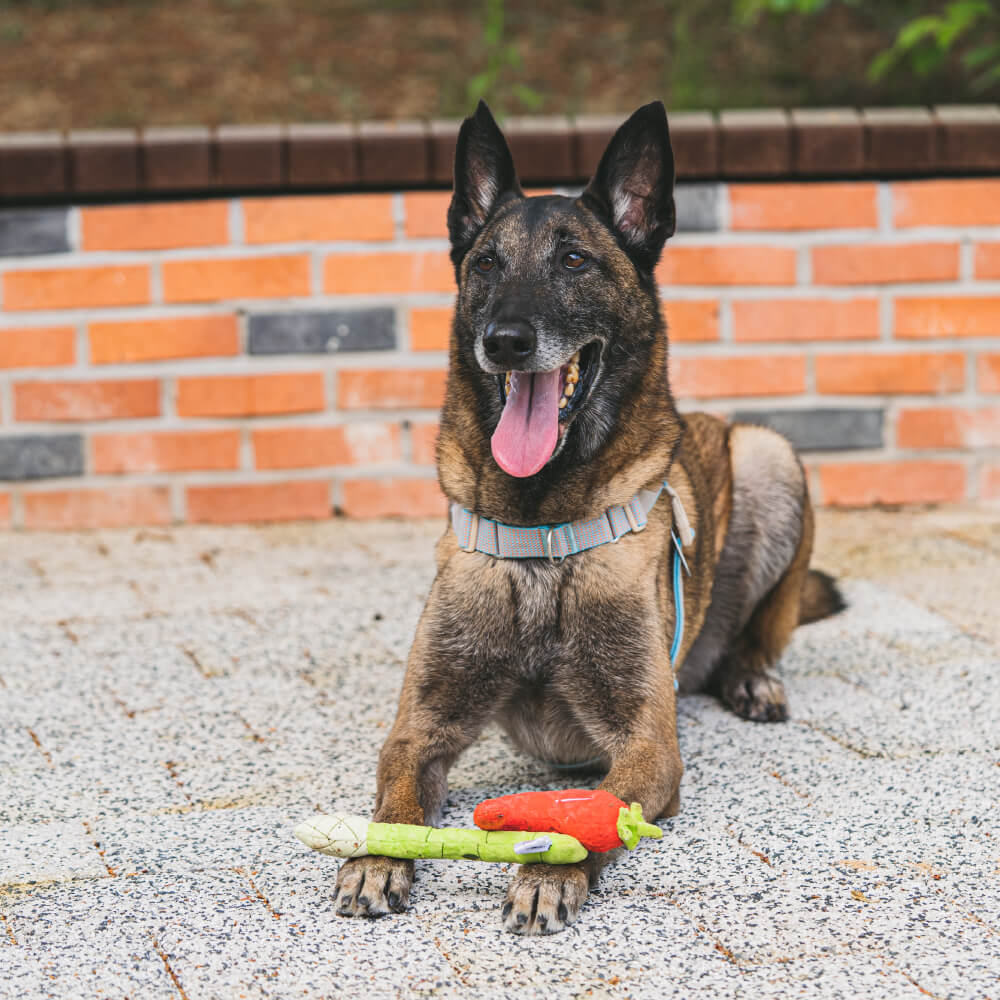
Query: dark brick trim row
[{"x": 803, "y": 144}]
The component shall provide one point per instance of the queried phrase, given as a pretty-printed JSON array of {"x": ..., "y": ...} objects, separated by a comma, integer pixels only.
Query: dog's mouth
[{"x": 538, "y": 408}]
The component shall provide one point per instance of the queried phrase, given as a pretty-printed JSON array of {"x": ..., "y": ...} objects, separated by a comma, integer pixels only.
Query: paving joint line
[
  {"x": 10, "y": 931},
  {"x": 167, "y": 966},
  {"x": 41, "y": 749},
  {"x": 97, "y": 847}
]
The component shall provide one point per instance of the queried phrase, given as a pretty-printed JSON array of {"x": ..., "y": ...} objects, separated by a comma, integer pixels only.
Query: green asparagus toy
[{"x": 351, "y": 837}]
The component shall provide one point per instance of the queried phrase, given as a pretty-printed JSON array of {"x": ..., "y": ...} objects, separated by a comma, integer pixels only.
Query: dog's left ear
[
  {"x": 484, "y": 176},
  {"x": 633, "y": 187}
]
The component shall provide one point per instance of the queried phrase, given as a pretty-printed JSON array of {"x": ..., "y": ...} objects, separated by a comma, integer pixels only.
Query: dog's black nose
[{"x": 509, "y": 343}]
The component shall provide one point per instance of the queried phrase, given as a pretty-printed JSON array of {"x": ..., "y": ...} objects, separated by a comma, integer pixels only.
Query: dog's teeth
[
  {"x": 570, "y": 389},
  {"x": 562, "y": 403},
  {"x": 572, "y": 376}
]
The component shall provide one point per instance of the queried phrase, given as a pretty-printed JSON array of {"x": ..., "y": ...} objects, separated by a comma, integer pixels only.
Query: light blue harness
[{"x": 557, "y": 541}]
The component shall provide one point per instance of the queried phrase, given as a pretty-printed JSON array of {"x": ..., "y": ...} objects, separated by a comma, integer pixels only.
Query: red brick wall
[{"x": 281, "y": 357}]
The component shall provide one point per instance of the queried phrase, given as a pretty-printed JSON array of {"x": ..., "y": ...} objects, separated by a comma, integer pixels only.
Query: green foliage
[
  {"x": 497, "y": 84},
  {"x": 925, "y": 43}
]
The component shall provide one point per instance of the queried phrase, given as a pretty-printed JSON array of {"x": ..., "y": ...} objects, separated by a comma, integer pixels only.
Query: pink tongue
[{"x": 529, "y": 425}]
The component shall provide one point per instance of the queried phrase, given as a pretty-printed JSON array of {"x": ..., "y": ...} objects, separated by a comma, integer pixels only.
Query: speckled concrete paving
[{"x": 173, "y": 702}]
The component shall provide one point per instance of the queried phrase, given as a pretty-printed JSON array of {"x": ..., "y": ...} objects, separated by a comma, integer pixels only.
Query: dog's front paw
[
  {"x": 373, "y": 886},
  {"x": 543, "y": 899}
]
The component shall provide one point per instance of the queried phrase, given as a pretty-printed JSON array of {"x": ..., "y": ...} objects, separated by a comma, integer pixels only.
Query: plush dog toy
[{"x": 567, "y": 824}]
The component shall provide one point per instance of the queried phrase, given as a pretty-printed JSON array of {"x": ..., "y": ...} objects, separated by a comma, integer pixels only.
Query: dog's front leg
[
  {"x": 645, "y": 768},
  {"x": 440, "y": 714}
]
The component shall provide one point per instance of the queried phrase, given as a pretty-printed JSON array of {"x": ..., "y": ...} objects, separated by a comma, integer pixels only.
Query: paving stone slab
[{"x": 44, "y": 852}]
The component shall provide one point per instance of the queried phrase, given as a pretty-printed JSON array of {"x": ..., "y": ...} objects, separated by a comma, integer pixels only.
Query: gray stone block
[
  {"x": 821, "y": 430},
  {"x": 697, "y": 208},
  {"x": 36, "y": 456},
  {"x": 322, "y": 332},
  {"x": 33, "y": 230}
]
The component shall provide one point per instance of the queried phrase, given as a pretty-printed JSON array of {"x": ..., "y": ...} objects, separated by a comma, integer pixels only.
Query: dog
[{"x": 558, "y": 412}]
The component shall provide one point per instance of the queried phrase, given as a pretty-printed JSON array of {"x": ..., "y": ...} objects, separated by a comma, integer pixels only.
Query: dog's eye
[
  {"x": 485, "y": 263},
  {"x": 574, "y": 260}
]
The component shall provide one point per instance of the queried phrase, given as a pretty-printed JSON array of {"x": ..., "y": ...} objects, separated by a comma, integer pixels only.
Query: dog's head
[{"x": 557, "y": 306}]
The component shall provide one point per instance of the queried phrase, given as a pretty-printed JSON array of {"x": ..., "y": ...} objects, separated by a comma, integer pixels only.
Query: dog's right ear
[{"x": 484, "y": 176}]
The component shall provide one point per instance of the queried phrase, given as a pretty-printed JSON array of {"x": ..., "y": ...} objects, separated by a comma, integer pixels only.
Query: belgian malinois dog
[{"x": 558, "y": 409}]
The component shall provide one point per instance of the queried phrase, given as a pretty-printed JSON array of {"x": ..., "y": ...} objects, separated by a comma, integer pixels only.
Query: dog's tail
[{"x": 821, "y": 597}]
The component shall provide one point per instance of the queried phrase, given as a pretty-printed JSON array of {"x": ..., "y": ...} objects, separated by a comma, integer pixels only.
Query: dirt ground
[{"x": 111, "y": 63}]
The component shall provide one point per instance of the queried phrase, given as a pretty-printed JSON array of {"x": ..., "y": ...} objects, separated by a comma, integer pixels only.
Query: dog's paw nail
[
  {"x": 562, "y": 913},
  {"x": 364, "y": 901},
  {"x": 345, "y": 902},
  {"x": 542, "y": 921},
  {"x": 394, "y": 900},
  {"x": 521, "y": 919},
  {"x": 505, "y": 912}
]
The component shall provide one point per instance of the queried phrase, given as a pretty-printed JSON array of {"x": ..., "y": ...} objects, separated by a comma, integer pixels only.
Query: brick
[
  {"x": 318, "y": 218},
  {"x": 427, "y": 213},
  {"x": 821, "y": 429},
  {"x": 805, "y": 319},
  {"x": 697, "y": 208},
  {"x": 865, "y": 264},
  {"x": 755, "y": 143},
  {"x": 593, "y": 133},
  {"x": 987, "y": 260},
  {"x": 924, "y": 318},
  {"x": 26, "y": 231},
  {"x": 76, "y": 288},
  {"x": 99, "y": 400},
  {"x": 327, "y": 332},
  {"x": 390, "y": 389},
  {"x": 899, "y": 140},
  {"x": 430, "y": 329},
  {"x": 727, "y": 265},
  {"x": 948, "y": 427},
  {"x": 443, "y": 136},
  {"x": 542, "y": 147},
  {"x": 172, "y": 451},
  {"x": 37, "y": 347},
  {"x": 212, "y": 280},
  {"x": 33, "y": 163},
  {"x": 695, "y": 137},
  {"x": 121, "y": 342},
  {"x": 155, "y": 227},
  {"x": 105, "y": 161},
  {"x": 308, "y": 447},
  {"x": 968, "y": 137},
  {"x": 803, "y": 206},
  {"x": 828, "y": 141},
  {"x": 387, "y": 273},
  {"x": 295, "y": 501},
  {"x": 177, "y": 158},
  {"x": 394, "y": 153},
  {"x": 946, "y": 203},
  {"x": 248, "y": 156},
  {"x": 852, "y": 374},
  {"x": 770, "y": 375},
  {"x": 4, "y": 510},
  {"x": 989, "y": 488},
  {"x": 322, "y": 155},
  {"x": 988, "y": 373},
  {"x": 861, "y": 484},
  {"x": 107, "y": 508},
  {"x": 249, "y": 395},
  {"x": 423, "y": 438},
  {"x": 692, "y": 319},
  {"x": 38, "y": 456},
  {"x": 364, "y": 498}
]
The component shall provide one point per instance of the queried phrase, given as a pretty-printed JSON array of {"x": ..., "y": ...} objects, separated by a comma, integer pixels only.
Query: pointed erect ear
[
  {"x": 484, "y": 176},
  {"x": 633, "y": 188}
]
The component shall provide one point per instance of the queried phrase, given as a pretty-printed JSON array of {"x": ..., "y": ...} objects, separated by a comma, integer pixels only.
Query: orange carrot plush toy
[{"x": 596, "y": 818}]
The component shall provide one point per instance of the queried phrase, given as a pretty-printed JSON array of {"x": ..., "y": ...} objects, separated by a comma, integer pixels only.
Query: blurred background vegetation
[{"x": 107, "y": 63}]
